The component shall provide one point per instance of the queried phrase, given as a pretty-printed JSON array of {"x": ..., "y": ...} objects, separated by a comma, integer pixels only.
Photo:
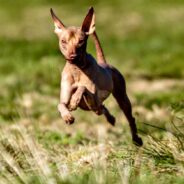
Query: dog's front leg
[
  {"x": 76, "y": 98},
  {"x": 90, "y": 100},
  {"x": 65, "y": 96}
]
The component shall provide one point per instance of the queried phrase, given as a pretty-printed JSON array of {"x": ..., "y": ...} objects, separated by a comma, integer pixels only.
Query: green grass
[
  {"x": 160, "y": 98},
  {"x": 144, "y": 40}
]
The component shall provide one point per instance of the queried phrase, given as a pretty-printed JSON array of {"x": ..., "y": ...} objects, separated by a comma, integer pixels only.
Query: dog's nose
[{"x": 73, "y": 56}]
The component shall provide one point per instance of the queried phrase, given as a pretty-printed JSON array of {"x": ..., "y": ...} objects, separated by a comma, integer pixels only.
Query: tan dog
[{"x": 86, "y": 83}]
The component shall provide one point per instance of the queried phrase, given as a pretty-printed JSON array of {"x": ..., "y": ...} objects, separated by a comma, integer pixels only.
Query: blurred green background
[{"x": 144, "y": 39}]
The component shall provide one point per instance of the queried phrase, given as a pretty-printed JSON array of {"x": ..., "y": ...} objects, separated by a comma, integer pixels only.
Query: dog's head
[{"x": 73, "y": 40}]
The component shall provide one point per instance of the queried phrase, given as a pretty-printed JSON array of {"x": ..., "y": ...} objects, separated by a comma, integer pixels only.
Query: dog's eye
[{"x": 63, "y": 41}]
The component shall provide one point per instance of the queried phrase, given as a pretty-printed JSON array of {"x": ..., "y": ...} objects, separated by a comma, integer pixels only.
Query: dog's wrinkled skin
[{"x": 86, "y": 83}]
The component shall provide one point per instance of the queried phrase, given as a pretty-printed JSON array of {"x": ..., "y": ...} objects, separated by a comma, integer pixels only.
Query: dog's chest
[{"x": 81, "y": 79}]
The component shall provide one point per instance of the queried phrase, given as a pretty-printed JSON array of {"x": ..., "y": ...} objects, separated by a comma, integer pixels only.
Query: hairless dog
[{"x": 85, "y": 82}]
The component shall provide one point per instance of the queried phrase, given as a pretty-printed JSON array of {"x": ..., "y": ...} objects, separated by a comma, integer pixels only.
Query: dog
[{"x": 85, "y": 82}]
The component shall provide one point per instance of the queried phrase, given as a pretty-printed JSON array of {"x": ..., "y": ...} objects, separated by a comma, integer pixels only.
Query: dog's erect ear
[
  {"x": 88, "y": 25},
  {"x": 59, "y": 26}
]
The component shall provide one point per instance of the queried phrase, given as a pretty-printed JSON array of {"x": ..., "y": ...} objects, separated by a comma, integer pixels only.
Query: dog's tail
[{"x": 99, "y": 52}]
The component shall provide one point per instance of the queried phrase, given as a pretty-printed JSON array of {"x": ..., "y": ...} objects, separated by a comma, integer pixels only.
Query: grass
[
  {"x": 41, "y": 155},
  {"x": 144, "y": 40}
]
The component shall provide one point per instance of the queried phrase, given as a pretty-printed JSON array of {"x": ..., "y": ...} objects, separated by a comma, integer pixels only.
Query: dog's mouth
[
  {"x": 73, "y": 59},
  {"x": 76, "y": 61}
]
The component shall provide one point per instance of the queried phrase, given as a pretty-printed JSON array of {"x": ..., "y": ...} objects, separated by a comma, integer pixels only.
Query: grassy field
[{"x": 144, "y": 39}]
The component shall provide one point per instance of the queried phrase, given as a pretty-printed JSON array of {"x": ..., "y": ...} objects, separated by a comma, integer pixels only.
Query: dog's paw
[
  {"x": 137, "y": 140},
  {"x": 73, "y": 105},
  {"x": 74, "y": 102},
  {"x": 68, "y": 118},
  {"x": 112, "y": 120}
]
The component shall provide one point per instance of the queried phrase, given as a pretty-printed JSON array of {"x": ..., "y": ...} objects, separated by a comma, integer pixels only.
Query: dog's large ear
[
  {"x": 88, "y": 25},
  {"x": 59, "y": 26}
]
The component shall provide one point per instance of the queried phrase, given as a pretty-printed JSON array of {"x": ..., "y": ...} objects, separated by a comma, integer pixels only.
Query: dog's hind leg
[
  {"x": 119, "y": 92},
  {"x": 110, "y": 118},
  {"x": 125, "y": 105},
  {"x": 103, "y": 110}
]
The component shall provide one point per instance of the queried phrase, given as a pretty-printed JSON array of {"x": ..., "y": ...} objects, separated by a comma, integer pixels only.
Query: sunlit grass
[{"x": 57, "y": 157}]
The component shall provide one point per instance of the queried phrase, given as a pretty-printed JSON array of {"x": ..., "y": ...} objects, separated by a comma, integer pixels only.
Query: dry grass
[{"x": 25, "y": 159}]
